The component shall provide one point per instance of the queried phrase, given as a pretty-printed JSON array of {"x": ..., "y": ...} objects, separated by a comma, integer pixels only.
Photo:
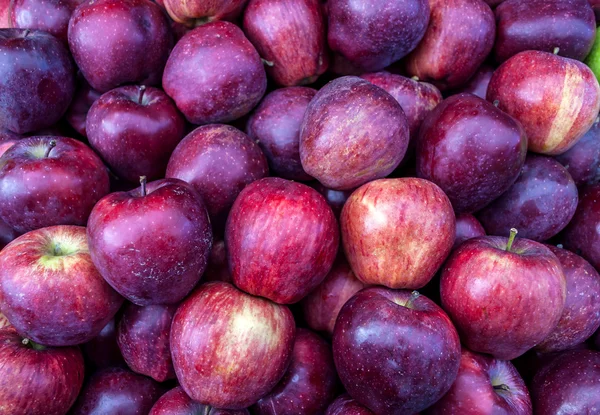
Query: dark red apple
[
  {"x": 47, "y": 181},
  {"x": 569, "y": 25},
  {"x": 396, "y": 352},
  {"x": 582, "y": 235},
  {"x": 103, "y": 351},
  {"x": 484, "y": 385},
  {"x": 37, "y": 380},
  {"x": 51, "y": 16},
  {"x": 218, "y": 265},
  {"x": 195, "y": 13},
  {"x": 117, "y": 391},
  {"x": 77, "y": 113},
  {"x": 352, "y": 132},
  {"x": 345, "y": 405},
  {"x": 582, "y": 161},
  {"x": 116, "y": 42},
  {"x": 230, "y": 348},
  {"x": 335, "y": 198},
  {"x": 472, "y": 150},
  {"x": 218, "y": 161},
  {"x": 467, "y": 227},
  {"x": 135, "y": 129},
  {"x": 50, "y": 290},
  {"x": 557, "y": 103},
  {"x": 275, "y": 126},
  {"x": 397, "y": 232},
  {"x": 214, "y": 74},
  {"x": 478, "y": 84},
  {"x": 176, "y": 402},
  {"x": 503, "y": 297},
  {"x": 447, "y": 57},
  {"x": 37, "y": 80},
  {"x": 151, "y": 243}
]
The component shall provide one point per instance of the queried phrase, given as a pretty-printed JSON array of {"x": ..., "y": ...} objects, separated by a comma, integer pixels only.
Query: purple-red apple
[
  {"x": 352, "y": 132},
  {"x": 77, "y": 113},
  {"x": 229, "y": 348},
  {"x": 582, "y": 235},
  {"x": 176, "y": 402},
  {"x": 195, "y": 13},
  {"x": 467, "y": 227},
  {"x": 151, "y": 243},
  {"x": 396, "y": 352},
  {"x": 335, "y": 198},
  {"x": 51, "y": 16},
  {"x": 582, "y": 161},
  {"x": 103, "y": 350},
  {"x": 478, "y": 84},
  {"x": 345, "y": 405}
]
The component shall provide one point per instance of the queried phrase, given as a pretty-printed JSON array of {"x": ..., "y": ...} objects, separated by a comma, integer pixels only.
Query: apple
[
  {"x": 345, "y": 405},
  {"x": 478, "y": 84},
  {"x": 143, "y": 338},
  {"x": 51, "y": 16},
  {"x": 117, "y": 42},
  {"x": 218, "y": 161},
  {"x": 467, "y": 227},
  {"x": 396, "y": 352},
  {"x": 275, "y": 126},
  {"x": 37, "y": 81},
  {"x": 472, "y": 150},
  {"x": 221, "y": 338},
  {"x": 135, "y": 129},
  {"x": 151, "y": 243},
  {"x": 504, "y": 295},
  {"x": 195, "y": 13},
  {"x": 46, "y": 181},
  {"x": 50, "y": 290},
  {"x": 447, "y": 57},
  {"x": 334, "y": 198},
  {"x": 569, "y": 383},
  {"x": 37, "y": 380},
  {"x": 582, "y": 161},
  {"x": 569, "y": 25},
  {"x": 77, "y": 113},
  {"x": 352, "y": 132},
  {"x": 176, "y": 402},
  {"x": 322, "y": 305},
  {"x": 214, "y": 74},
  {"x": 103, "y": 350},
  {"x": 372, "y": 34},
  {"x": 539, "y": 204},
  {"x": 582, "y": 235},
  {"x": 484, "y": 385},
  {"x": 218, "y": 265},
  {"x": 556, "y": 104},
  {"x": 117, "y": 391},
  {"x": 290, "y": 36}
]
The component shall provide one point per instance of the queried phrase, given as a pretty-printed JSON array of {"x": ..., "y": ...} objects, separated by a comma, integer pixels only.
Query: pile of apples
[{"x": 299, "y": 207}]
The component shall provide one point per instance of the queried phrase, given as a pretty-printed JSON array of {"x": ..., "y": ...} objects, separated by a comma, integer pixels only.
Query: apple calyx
[
  {"x": 49, "y": 149},
  {"x": 33, "y": 345},
  {"x": 511, "y": 239},
  {"x": 142, "y": 90},
  {"x": 556, "y": 50},
  {"x": 415, "y": 78},
  {"x": 143, "y": 183}
]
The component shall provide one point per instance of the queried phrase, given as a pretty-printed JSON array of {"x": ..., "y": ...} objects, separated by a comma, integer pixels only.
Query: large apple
[
  {"x": 396, "y": 352},
  {"x": 282, "y": 239},
  {"x": 230, "y": 348},
  {"x": 582, "y": 235},
  {"x": 37, "y": 380},
  {"x": 77, "y": 113},
  {"x": 195, "y": 13},
  {"x": 352, "y": 132},
  {"x": 504, "y": 295},
  {"x": 467, "y": 227},
  {"x": 472, "y": 150},
  {"x": 556, "y": 104},
  {"x": 397, "y": 232},
  {"x": 50, "y": 16},
  {"x": 345, "y": 405},
  {"x": 176, "y": 402},
  {"x": 50, "y": 290},
  {"x": 582, "y": 161},
  {"x": 151, "y": 243},
  {"x": 37, "y": 80}
]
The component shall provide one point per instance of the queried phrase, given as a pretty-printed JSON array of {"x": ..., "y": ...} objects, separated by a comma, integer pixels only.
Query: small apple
[
  {"x": 582, "y": 161},
  {"x": 582, "y": 235},
  {"x": 176, "y": 402}
]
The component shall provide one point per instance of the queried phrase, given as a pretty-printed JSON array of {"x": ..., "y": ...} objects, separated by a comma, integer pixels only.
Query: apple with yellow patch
[{"x": 556, "y": 99}]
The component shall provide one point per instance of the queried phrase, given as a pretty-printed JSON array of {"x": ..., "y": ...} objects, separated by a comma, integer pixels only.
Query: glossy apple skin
[
  {"x": 395, "y": 352},
  {"x": 472, "y": 150},
  {"x": 77, "y": 113},
  {"x": 335, "y": 198},
  {"x": 352, "y": 132},
  {"x": 176, "y": 402},
  {"x": 478, "y": 84},
  {"x": 37, "y": 80},
  {"x": 282, "y": 239},
  {"x": 135, "y": 129},
  {"x": 275, "y": 126},
  {"x": 582, "y": 235},
  {"x": 218, "y": 161},
  {"x": 503, "y": 302},
  {"x": 582, "y": 161},
  {"x": 446, "y": 57},
  {"x": 467, "y": 227},
  {"x": 51, "y": 16},
  {"x": 539, "y": 204},
  {"x": 103, "y": 350},
  {"x": 55, "y": 263},
  {"x": 544, "y": 25},
  {"x": 143, "y": 338},
  {"x": 323, "y": 304},
  {"x": 372, "y": 40},
  {"x": 37, "y": 382},
  {"x": 292, "y": 35},
  {"x": 571, "y": 380},
  {"x": 473, "y": 390},
  {"x": 152, "y": 249},
  {"x": 117, "y": 391},
  {"x": 205, "y": 339},
  {"x": 214, "y": 74},
  {"x": 555, "y": 109},
  {"x": 198, "y": 12},
  {"x": 345, "y": 405}
]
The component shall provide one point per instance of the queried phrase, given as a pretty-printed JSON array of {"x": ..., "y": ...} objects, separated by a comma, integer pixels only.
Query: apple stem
[
  {"x": 496, "y": 103},
  {"x": 266, "y": 62},
  {"x": 143, "y": 183},
  {"x": 49, "y": 149},
  {"x": 556, "y": 50},
  {"x": 502, "y": 387},
  {"x": 511, "y": 239},
  {"x": 413, "y": 296},
  {"x": 141, "y": 96},
  {"x": 32, "y": 344},
  {"x": 561, "y": 246},
  {"x": 415, "y": 78}
]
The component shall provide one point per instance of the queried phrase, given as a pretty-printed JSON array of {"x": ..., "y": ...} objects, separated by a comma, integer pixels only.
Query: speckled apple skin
[
  {"x": 582, "y": 235},
  {"x": 194, "y": 13},
  {"x": 583, "y": 159},
  {"x": 467, "y": 227},
  {"x": 176, "y": 402},
  {"x": 345, "y": 405}
]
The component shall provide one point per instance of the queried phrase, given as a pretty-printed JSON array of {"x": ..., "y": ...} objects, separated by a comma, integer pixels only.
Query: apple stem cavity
[
  {"x": 141, "y": 96},
  {"x": 511, "y": 239},
  {"x": 32, "y": 344},
  {"x": 502, "y": 387},
  {"x": 266, "y": 62},
  {"x": 49, "y": 149},
  {"x": 556, "y": 50},
  {"x": 143, "y": 183}
]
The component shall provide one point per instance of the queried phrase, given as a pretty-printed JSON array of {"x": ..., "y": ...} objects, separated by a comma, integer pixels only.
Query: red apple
[
  {"x": 51, "y": 16},
  {"x": 77, "y": 113},
  {"x": 557, "y": 103},
  {"x": 214, "y": 74},
  {"x": 345, "y": 405},
  {"x": 582, "y": 161},
  {"x": 397, "y": 232},
  {"x": 176, "y": 402},
  {"x": 467, "y": 227},
  {"x": 221, "y": 338},
  {"x": 195, "y": 13},
  {"x": 478, "y": 84},
  {"x": 151, "y": 243},
  {"x": 50, "y": 290},
  {"x": 582, "y": 235},
  {"x": 352, "y": 132},
  {"x": 37, "y": 380},
  {"x": 103, "y": 351}
]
